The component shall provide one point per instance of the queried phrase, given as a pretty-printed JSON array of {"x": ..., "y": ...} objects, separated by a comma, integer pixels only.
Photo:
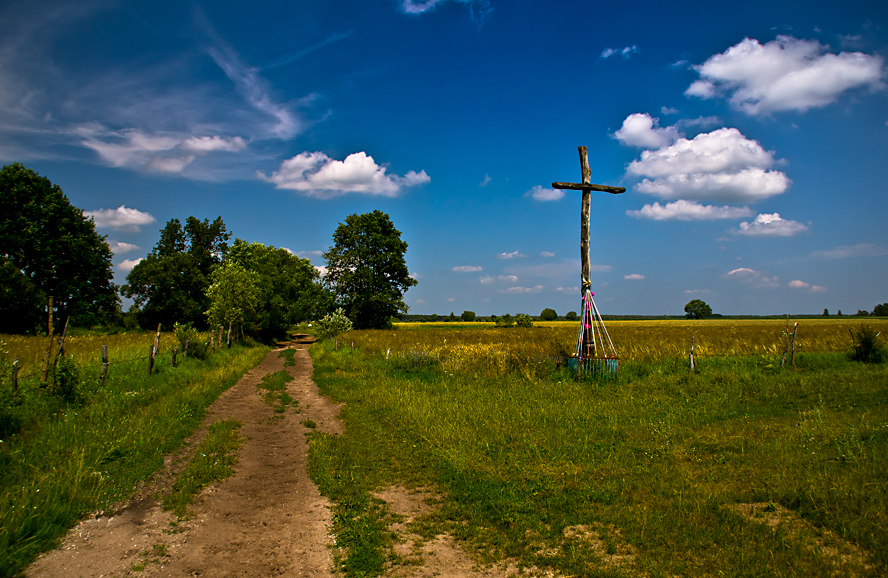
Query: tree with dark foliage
[
  {"x": 366, "y": 270},
  {"x": 48, "y": 248},
  {"x": 170, "y": 285},
  {"x": 697, "y": 309}
]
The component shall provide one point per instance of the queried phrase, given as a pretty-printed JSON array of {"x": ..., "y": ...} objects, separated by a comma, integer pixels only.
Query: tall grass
[
  {"x": 662, "y": 457},
  {"x": 60, "y": 460}
]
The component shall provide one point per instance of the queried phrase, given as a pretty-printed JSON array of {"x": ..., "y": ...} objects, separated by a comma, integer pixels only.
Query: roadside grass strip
[
  {"x": 740, "y": 468},
  {"x": 212, "y": 462},
  {"x": 67, "y": 459}
]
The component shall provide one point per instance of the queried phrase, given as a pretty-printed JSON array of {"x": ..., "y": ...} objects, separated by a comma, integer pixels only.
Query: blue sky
[{"x": 751, "y": 138}]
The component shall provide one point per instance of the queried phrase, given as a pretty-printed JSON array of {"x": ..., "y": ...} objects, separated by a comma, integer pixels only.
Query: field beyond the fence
[{"x": 745, "y": 466}]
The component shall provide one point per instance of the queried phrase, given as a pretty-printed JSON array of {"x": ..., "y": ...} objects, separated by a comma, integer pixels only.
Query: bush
[
  {"x": 66, "y": 380},
  {"x": 571, "y": 316},
  {"x": 333, "y": 324},
  {"x": 866, "y": 346},
  {"x": 505, "y": 321},
  {"x": 190, "y": 342},
  {"x": 548, "y": 315},
  {"x": 523, "y": 320}
]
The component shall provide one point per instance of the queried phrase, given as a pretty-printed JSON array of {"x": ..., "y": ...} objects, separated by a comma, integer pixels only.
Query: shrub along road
[{"x": 267, "y": 519}]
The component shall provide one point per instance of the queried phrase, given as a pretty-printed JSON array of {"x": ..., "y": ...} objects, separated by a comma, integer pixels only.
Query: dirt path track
[{"x": 268, "y": 519}]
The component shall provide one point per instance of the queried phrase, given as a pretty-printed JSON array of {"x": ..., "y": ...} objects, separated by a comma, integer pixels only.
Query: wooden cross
[{"x": 587, "y": 187}]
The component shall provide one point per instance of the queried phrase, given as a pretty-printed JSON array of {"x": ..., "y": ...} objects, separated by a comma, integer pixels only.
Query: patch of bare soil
[
  {"x": 840, "y": 553},
  {"x": 267, "y": 519}
]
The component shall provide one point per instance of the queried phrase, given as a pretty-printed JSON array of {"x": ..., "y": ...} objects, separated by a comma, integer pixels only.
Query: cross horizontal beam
[{"x": 589, "y": 187}]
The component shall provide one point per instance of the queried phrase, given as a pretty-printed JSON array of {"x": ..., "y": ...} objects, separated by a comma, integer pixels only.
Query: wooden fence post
[
  {"x": 693, "y": 339},
  {"x": 61, "y": 351},
  {"x": 104, "y": 365},
  {"x": 229, "y": 335},
  {"x": 387, "y": 354},
  {"x": 220, "y": 338},
  {"x": 175, "y": 352},
  {"x": 157, "y": 340},
  {"x": 794, "y": 330},
  {"x": 150, "y": 358},
  {"x": 15, "y": 372},
  {"x": 185, "y": 350},
  {"x": 49, "y": 332}
]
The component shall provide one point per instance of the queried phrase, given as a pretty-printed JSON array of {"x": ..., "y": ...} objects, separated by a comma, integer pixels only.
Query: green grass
[
  {"x": 289, "y": 357},
  {"x": 275, "y": 386},
  {"x": 212, "y": 462},
  {"x": 658, "y": 461},
  {"x": 60, "y": 461}
]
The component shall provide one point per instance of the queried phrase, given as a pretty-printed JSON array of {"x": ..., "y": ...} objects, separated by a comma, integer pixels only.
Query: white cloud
[
  {"x": 127, "y": 265},
  {"x": 120, "y": 219},
  {"x": 798, "y": 284},
  {"x": 485, "y": 182},
  {"x": 213, "y": 143},
  {"x": 421, "y": 6},
  {"x": 119, "y": 248},
  {"x": 467, "y": 269},
  {"x": 547, "y": 254},
  {"x": 171, "y": 164},
  {"x": 847, "y": 251},
  {"x": 752, "y": 277},
  {"x": 682, "y": 210},
  {"x": 512, "y": 255},
  {"x": 535, "y": 289},
  {"x": 321, "y": 270},
  {"x": 721, "y": 165},
  {"x": 784, "y": 74},
  {"x": 489, "y": 279},
  {"x": 668, "y": 110},
  {"x": 415, "y": 275},
  {"x": 451, "y": 299},
  {"x": 770, "y": 225},
  {"x": 633, "y": 277},
  {"x": 623, "y": 52},
  {"x": 317, "y": 175},
  {"x": 538, "y": 193},
  {"x": 697, "y": 291},
  {"x": 642, "y": 130}
]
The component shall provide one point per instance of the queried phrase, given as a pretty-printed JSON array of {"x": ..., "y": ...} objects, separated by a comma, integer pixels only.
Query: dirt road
[{"x": 267, "y": 519}]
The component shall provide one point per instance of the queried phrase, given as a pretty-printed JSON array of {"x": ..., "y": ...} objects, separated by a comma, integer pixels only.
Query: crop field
[{"x": 744, "y": 467}]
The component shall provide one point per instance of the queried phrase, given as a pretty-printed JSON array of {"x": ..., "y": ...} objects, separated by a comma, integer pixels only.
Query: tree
[
  {"x": 826, "y": 312},
  {"x": 233, "y": 295},
  {"x": 881, "y": 310},
  {"x": 366, "y": 270},
  {"x": 697, "y": 309},
  {"x": 289, "y": 287},
  {"x": 48, "y": 248},
  {"x": 548, "y": 315},
  {"x": 523, "y": 320},
  {"x": 333, "y": 324},
  {"x": 468, "y": 316},
  {"x": 170, "y": 285},
  {"x": 571, "y": 316}
]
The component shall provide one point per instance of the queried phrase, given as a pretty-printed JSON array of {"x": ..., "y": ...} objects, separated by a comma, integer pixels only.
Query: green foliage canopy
[
  {"x": 289, "y": 287},
  {"x": 170, "y": 285},
  {"x": 548, "y": 315},
  {"x": 48, "y": 248},
  {"x": 697, "y": 309},
  {"x": 234, "y": 295},
  {"x": 366, "y": 270}
]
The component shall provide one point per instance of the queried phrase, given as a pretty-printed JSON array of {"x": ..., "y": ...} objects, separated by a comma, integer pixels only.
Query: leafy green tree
[
  {"x": 234, "y": 295},
  {"x": 523, "y": 320},
  {"x": 571, "y": 316},
  {"x": 548, "y": 315},
  {"x": 505, "y": 320},
  {"x": 826, "y": 312},
  {"x": 467, "y": 316},
  {"x": 697, "y": 309},
  {"x": 48, "y": 248},
  {"x": 881, "y": 310},
  {"x": 289, "y": 287},
  {"x": 170, "y": 285},
  {"x": 333, "y": 324},
  {"x": 366, "y": 270}
]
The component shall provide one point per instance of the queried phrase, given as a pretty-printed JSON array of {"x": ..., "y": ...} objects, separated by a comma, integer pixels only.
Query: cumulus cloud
[
  {"x": 467, "y": 269},
  {"x": 722, "y": 165},
  {"x": 547, "y": 254},
  {"x": 120, "y": 219},
  {"x": 512, "y": 255},
  {"x": 643, "y": 131},
  {"x": 127, "y": 265},
  {"x": 752, "y": 277},
  {"x": 770, "y": 225},
  {"x": 535, "y": 289},
  {"x": 119, "y": 248},
  {"x": 798, "y": 284},
  {"x": 633, "y": 277},
  {"x": 539, "y": 193},
  {"x": 784, "y": 74},
  {"x": 490, "y": 279},
  {"x": 847, "y": 251},
  {"x": 317, "y": 175},
  {"x": 682, "y": 210},
  {"x": 625, "y": 53}
]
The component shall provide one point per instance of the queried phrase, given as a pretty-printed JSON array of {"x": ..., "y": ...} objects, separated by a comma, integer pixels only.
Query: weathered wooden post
[
  {"x": 104, "y": 365},
  {"x": 693, "y": 338},
  {"x": 61, "y": 351},
  {"x": 175, "y": 352},
  {"x": 185, "y": 350},
  {"x": 794, "y": 330},
  {"x": 586, "y": 339},
  {"x": 229, "y": 335},
  {"x": 220, "y": 337},
  {"x": 49, "y": 332},
  {"x": 150, "y": 358},
  {"x": 15, "y": 372}
]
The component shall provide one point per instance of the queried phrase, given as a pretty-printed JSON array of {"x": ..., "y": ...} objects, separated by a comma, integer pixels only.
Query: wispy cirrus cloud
[
  {"x": 317, "y": 175},
  {"x": 785, "y": 74},
  {"x": 512, "y": 255},
  {"x": 851, "y": 251},
  {"x": 490, "y": 279},
  {"x": 625, "y": 53},
  {"x": 479, "y": 10},
  {"x": 467, "y": 269}
]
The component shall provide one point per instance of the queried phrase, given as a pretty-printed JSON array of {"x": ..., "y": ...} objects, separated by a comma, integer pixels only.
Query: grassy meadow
[
  {"x": 72, "y": 446},
  {"x": 741, "y": 468}
]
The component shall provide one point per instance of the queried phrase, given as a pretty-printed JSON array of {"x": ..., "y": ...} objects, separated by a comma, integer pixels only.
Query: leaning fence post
[
  {"x": 150, "y": 358},
  {"x": 15, "y": 372},
  {"x": 693, "y": 338},
  {"x": 104, "y": 364},
  {"x": 387, "y": 354},
  {"x": 794, "y": 330},
  {"x": 185, "y": 350}
]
